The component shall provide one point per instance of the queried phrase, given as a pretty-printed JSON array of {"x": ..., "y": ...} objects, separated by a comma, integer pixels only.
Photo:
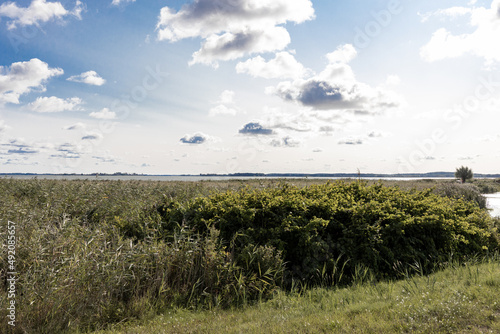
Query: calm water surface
[
  {"x": 493, "y": 201},
  {"x": 192, "y": 177}
]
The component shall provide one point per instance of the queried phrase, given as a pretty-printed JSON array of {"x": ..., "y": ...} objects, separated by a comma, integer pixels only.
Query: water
[
  {"x": 493, "y": 202},
  {"x": 194, "y": 177}
]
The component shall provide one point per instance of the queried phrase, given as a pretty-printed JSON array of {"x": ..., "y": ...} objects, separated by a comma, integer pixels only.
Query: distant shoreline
[{"x": 431, "y": 175}]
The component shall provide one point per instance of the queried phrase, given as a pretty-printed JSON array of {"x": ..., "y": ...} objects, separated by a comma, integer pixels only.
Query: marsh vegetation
[{"x": 97, "y": 254}]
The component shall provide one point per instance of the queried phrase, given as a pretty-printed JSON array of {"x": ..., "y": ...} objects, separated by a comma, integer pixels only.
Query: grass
[
  {"x": 81, "y": 271},
  {"x": 459, "y": 299}
]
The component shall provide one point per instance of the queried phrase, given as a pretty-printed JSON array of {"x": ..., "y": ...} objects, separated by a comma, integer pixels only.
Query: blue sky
[{"x": 227, "y": 86}]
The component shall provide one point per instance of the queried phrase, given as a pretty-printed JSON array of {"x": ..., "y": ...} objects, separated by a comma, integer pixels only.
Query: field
[{"x": 295, "y": 256}]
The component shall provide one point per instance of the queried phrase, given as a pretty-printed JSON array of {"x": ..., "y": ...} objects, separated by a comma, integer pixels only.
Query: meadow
[{"x": 294, "y": 256}]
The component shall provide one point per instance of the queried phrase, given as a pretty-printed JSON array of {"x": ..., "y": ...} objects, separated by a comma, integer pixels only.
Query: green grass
[{"x": 458, "y": 299}]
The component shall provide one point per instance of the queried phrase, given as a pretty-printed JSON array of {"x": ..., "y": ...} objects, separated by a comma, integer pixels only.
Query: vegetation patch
[
  {"x": 94, "y": 253},
  {"x": 336, "y": 230}
]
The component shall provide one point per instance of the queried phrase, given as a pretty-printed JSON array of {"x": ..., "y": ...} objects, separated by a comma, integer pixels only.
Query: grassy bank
[
  {"x": 91, "y": 254},
  {"x": 459, "y": 299}
]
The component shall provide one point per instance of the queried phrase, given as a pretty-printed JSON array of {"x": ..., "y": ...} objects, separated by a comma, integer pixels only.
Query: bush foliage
[{"x": 317, "y": 226}]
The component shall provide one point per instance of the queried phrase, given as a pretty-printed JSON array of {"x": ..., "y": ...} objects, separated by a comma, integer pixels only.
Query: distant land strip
[{"x": 275, "y": 175}]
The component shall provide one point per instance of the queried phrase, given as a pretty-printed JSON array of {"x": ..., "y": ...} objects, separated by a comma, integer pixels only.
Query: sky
[{"x": 260, "y": 86}]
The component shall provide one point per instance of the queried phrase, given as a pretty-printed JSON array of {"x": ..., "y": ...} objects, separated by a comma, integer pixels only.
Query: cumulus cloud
[
  {"x": 22, "y": 77},
  {"x": 236, "y": 45},
  {"x": 336, "y": 88},
  {"x": 451, "y": 12},
  {"x": 55, "y": 104},
  {"x": 226, "y": 105},
  {"x": 76, "y": 126},
  {"x": 378, "y": 134},
  {"x": 19, "y": 146},
  {"x": 482, "y": 42},
  {"x": 195, "y": 139},
  {"x": 89, "y": 77},
  {"x": 222, "y": 109},
  {"x": 255, "y": 128},
  {"x": 277, "y": 119},
  {"x": 105, "y": 113},
  {"x": 350, "y": 141},
  {"x": 282, "y": 66},
  {"x": 393, "y": 80},
  {"x": 105, "y": 158},
  {"x": 285, "y": 142},
  {"x": 328, "y": 129},
  {"x": 39, "y": 11},
  {"x": 363, "y": 139},
  {"x": 231, "y": 29},
  {"x": 118, "y": 2},
  {"x": 343, "y": 54},
  {"x": 93, "y": 136},
  {"x": 3, "y": 126},
  {"x": 67, "y": 151}
]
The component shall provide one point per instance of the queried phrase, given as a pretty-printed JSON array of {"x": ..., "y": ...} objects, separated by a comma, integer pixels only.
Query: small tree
[{"x": 464, "y": 173}]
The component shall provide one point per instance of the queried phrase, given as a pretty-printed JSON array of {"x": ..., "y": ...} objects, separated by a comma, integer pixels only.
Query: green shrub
[
  {"x": 372, "y": 226},
  {"x": 465, "y": 191},
  {"x": 487, "y": 186}
]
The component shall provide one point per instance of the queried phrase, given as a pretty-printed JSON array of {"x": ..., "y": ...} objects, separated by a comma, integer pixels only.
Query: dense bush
[
  {"x": 466, "y": 191},
  {"x": 488, "y": 186},
  {"x": 321, "y": 227}
]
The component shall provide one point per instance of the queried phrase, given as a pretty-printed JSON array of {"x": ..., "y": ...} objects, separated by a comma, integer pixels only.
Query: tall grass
[{"x": 78, "y": 267}]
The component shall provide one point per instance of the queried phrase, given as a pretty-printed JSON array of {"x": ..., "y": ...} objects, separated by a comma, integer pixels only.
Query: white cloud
[
  {"x": 226, "y": 105},
  {"x": 282, "y": 66},
  {"x": 363, "y": 139},
  {"x": 92, "y": 136},
  {"x": 285, "y": 142},
  {"x": 118, "y": 2},
  {"x": 77, "y": 11},
  {"x": 254, "y": 128},
  {"x": 336, "y": 88},
  {"x": 89, "y": 77},
  {"x": 233, "y": 28},
  {"x": 344, "y": 54},
  {"x": 298, "y": 122},
  {"x": 105, "y": 113},
  {"x": 76, "y": 126},
  {"x": 3, "y": 126},
  {"x": 55, "y": 104},
  {"x": 452, "y": 12},
  {"x": 69, "y": 151},
  {"x": 22, "y": 77},
  {"x": 351, "y": 141},
  {"x": 39, "y": 11},
  {"x": 236, "y": 45},
  {"x": 393, "y": 80},
  {"x": 222, "y": 110},
  {"x": 226, "y": 97},
  {"x": 378, "y": 134},
  {"x": 197, "y": 139},
  {"x": 20, "y": 146},
  {"x": 482, "y": 42}
]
